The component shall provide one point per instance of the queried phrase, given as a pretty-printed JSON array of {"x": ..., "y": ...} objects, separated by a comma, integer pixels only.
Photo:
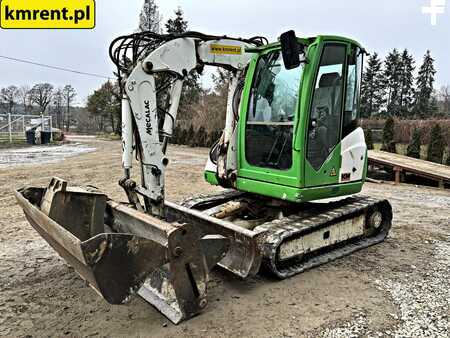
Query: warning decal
[
  {"x": 333, "y": 172},
  {"x": 225, "y": 49}
]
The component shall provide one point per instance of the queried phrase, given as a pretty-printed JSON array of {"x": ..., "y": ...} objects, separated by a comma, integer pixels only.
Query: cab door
[
  {"x": 267, "y": 124},
  {"x": 323, "y": 132}
]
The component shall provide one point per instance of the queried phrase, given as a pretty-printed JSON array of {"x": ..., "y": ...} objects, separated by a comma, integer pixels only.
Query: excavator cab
[{"x": 297, "y": 124}]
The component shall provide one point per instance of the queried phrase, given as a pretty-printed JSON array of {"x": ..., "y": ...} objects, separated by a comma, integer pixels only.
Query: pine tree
[
  {"x": 392, "y": 80},
  {"x": 436, "y": 146},
  {"x": 149, "y": 19},
  {"x": 177, "y": 25},
  {"x": 369, "y": 138},
  {"x": 434, "y": 104},
  {"x": 372, "y": 89},
  {"x": 424, "y": 83},
  {"x": 406, "y": 83},
  {"x": 388, "y": 135},
  {"x": 413, "y": 149}
]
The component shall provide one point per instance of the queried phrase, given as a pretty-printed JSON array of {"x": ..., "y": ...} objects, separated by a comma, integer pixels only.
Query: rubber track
[
  {"x": 202, "y": 201},
  {"x": 278, "y": 231},
  {"x": 319, "y": 216}
]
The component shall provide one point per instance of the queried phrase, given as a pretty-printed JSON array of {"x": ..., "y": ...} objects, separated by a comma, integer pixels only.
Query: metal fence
[{"x": 13, "y": 127}]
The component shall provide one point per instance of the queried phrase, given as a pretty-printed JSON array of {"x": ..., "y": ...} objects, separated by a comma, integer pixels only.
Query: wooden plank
[
  {"x": 397, "y": 172},
  {"x": 422, "y": 168},
  {"x": 372, "y": 180}
]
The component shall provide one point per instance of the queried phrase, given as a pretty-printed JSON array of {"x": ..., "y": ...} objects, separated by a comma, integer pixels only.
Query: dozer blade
[{"x": 120, "y": 251}]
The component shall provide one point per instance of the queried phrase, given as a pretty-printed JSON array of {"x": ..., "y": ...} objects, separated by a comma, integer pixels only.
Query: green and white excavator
[{"x": 291, "y": 159}]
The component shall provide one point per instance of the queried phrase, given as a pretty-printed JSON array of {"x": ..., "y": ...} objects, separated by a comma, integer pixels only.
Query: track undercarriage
[{"x": 287, "y": 238}]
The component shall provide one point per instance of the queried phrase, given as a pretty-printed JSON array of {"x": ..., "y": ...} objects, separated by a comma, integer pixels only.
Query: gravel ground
[
  {"x": 399, "y": 288},
  {"x": 423, "y": 303}
]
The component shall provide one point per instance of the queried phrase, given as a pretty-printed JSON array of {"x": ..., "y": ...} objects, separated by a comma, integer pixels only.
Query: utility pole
[
  {"x": 42, "y": 127},
  {"x": 9, "y": 128},
  {"x": 51, "y": 129}
]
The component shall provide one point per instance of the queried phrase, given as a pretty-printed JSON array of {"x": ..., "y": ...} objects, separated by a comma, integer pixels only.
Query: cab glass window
[
  {"x": 271, "y": 113},
  {"x": 351, "y": 113},
  {"x": 326, "y": 108}
]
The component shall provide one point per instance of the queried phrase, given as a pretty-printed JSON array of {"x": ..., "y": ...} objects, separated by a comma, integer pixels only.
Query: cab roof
[{"x": 310, "y": 41}]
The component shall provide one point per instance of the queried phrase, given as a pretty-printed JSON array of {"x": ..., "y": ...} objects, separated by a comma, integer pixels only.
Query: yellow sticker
[
  {"x": 333, "y": 172},
  {"x": 47, "y": 14},
  {"x": 225, "y": 49}
]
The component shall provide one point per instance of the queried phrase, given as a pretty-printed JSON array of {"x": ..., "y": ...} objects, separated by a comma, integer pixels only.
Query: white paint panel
[
  {"x": 127, "y": 134},
  {"x": 316, "y": 240},
  {"x": 353, "y": 154},
  {"x": 210, "y": 166},
  {"x": 238, "y": 61},
  {"x": 174, "y": 56}
]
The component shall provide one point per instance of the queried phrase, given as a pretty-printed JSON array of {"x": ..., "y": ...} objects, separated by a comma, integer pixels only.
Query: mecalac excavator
[{"x": 291, "y": 159}]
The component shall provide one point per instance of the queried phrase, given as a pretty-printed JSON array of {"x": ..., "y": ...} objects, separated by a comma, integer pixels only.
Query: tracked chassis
[{"x": 288, "y": 239}]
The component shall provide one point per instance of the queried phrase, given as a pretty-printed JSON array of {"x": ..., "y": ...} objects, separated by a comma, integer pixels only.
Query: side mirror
[{"x": 290, "y": 49}]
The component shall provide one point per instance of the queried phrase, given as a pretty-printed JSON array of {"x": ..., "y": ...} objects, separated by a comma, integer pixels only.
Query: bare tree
[
  {"x": 69, "y": 93},
  {"x": 24, "y": 97},
  {"x": 41, "y": 94},
  {"x": 9, "y": 96},
  {"x": 149, "y": 19},
  {"x": 58, "y": 103},
  {"x": 445, "y": 99},
  {"x": 104, "y": 105}
]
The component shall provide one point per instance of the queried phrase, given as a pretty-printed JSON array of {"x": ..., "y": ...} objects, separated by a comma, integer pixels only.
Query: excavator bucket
[{"x": 120, "y": 251}]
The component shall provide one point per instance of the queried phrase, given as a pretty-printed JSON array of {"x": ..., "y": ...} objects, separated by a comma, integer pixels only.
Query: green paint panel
[
  {"x": 297, "y": 195},
  {"x": 211, "y": 178},
  {"x": 269, "y": 189},
  {"x": 328, "y": 173}
]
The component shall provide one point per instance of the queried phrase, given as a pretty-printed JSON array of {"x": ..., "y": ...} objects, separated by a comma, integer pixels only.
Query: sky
[{"x": 379, "y": 25}]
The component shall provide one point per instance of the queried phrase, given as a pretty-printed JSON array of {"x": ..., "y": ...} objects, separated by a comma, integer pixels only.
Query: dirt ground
[{"x": 398, "y": 288}]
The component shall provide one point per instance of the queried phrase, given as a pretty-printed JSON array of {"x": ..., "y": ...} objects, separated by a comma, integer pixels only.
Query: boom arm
[{"x": 140, "y": 121}]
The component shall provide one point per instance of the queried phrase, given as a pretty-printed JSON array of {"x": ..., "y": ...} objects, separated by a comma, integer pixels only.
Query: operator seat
[{"x": 326, "y": 113}]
